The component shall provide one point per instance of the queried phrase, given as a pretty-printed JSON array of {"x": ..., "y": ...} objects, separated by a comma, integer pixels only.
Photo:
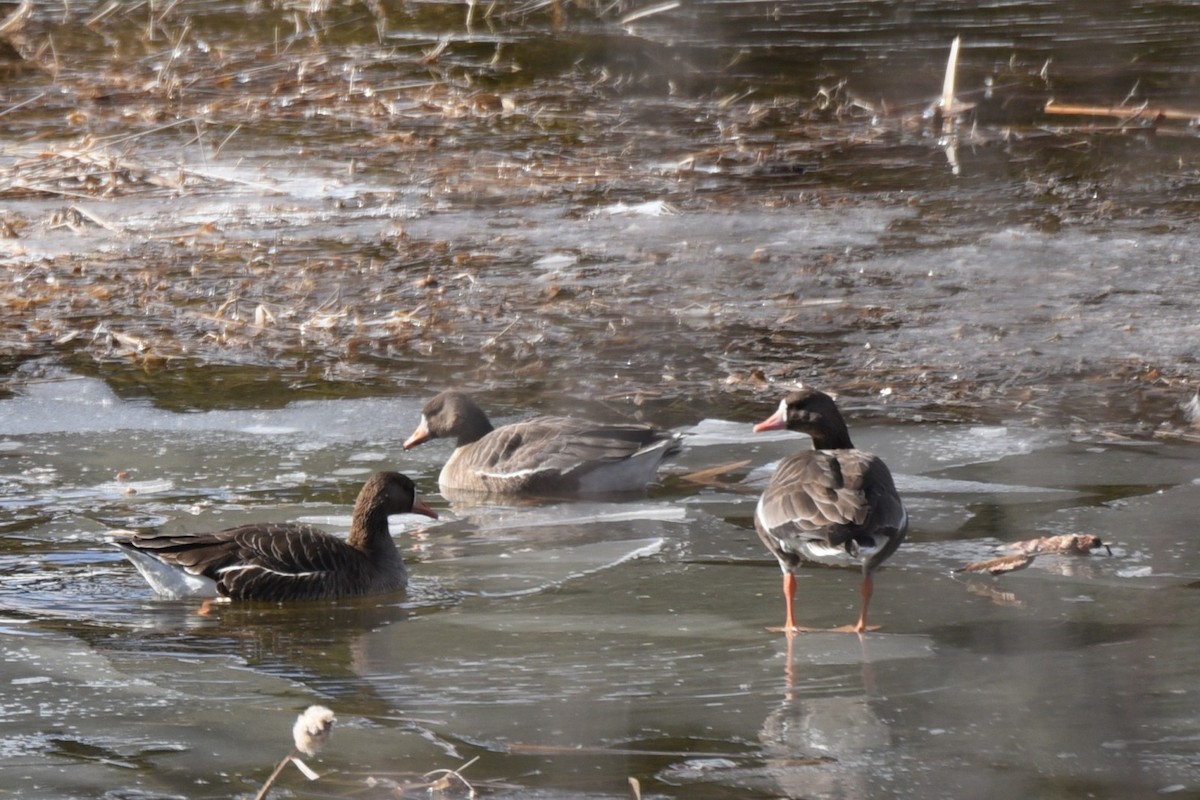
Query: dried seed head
[{"x": 312, "y": 729}]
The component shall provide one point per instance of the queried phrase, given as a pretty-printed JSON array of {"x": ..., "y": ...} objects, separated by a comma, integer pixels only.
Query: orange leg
[
  {"x": 867, "y": 588},
  {"x": 789, "y": 595},
  {"x": 868, "y": 584}
]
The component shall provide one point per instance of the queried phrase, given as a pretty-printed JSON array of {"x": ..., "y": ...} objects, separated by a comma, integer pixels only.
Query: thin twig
[
  {"x": 17, "y": 18},
  {"x": 642, "y": 13},
  {"x": 23, "y": 103},
  {"x": 232, "y": 133}
]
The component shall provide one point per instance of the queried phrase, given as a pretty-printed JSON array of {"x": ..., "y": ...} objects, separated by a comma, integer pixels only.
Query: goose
[
  {"x": 543, "y": 456},
  {"x": 833, "y": 505},
  {"x": 279, "y": 561}
]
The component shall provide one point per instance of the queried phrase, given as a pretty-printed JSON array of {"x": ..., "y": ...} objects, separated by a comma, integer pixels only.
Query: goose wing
[
  {"x": 267, "y": 562},
  {"x": 829, "y": 504},
  {"x": 559, "y": 446}
]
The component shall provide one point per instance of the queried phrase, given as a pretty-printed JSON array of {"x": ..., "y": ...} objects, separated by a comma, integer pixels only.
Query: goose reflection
[
  {"x": 816, "y": 744},
  {"x": 320, "y": 645},
  {"x": 823, "y": 747}
]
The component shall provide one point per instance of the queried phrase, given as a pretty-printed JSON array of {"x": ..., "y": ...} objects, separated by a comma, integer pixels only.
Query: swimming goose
[
  {"x": 283, "y": 561},
  {"x": 833, "y": 505},
  {"x": 547, "y": 456}
]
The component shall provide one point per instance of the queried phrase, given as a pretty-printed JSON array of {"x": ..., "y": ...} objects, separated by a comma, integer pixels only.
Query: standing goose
[
  {"x": 283, "y": 561},
  {"x": 834, "y": 504},
  {"x": 546, "y": 456}
]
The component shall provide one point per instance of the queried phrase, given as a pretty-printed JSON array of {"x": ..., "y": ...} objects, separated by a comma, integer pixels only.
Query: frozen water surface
[
  {"x": 660, "y": 212},
  {"x": 570, "y": 646}
]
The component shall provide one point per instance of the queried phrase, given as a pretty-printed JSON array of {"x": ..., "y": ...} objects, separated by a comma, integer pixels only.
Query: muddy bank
[{"x": 222, "y": 206}]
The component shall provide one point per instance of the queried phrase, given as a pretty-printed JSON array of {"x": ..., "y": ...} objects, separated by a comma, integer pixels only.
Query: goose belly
[
  {"x": 821, "y": 552},
  {"x": 173, "y": 583},
  {"x": 629, "y": 475}
]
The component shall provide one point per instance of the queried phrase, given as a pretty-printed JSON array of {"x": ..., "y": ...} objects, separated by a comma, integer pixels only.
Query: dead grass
[{"x": 107, "y": 254}]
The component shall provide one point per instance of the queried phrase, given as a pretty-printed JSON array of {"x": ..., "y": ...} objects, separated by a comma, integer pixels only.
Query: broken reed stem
[
  {"x": 710, "y": 475},
  {"x": 443, "y": 781},
  {"x": 951, "y": 75},
  {"x": 948, "y": 102},
  {"x": 262, "y": 793},
  {"x": 1130, "y": 112}
]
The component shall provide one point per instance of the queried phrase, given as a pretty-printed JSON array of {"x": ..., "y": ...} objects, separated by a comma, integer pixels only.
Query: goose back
[
  {"x": 547, "y": 455},
  {"x": 283, "y": 561},
  {"x": 831, "y": 506}
]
